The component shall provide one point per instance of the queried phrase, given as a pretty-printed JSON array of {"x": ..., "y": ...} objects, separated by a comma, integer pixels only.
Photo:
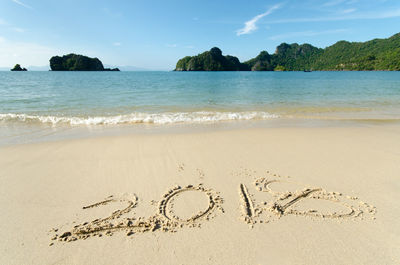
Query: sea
[{"x": 38, "y": 106}]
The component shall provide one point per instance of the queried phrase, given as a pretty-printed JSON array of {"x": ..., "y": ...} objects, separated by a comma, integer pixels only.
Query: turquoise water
[{"x": 99, "y": 98}]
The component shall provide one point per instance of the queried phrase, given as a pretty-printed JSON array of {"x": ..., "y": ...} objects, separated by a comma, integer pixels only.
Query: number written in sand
[
  {"x": 294, "y": 199},
  {"x": 130, "y": 200},
  {"x": 302, "y": 200},
  {"x": 165, "y": 219}
]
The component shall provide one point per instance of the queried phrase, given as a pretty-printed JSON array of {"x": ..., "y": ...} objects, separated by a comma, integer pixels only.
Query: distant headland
[
  {"x": 374, "y": 55},
  {"x": 76, "y": 62}
]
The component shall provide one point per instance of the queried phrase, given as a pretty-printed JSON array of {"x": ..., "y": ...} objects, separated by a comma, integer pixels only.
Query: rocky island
[
  {"x": 374, "y": 55},
  {"x": 76, "y": 62},
  {"x": 18, "y": 68},
  {"x": 211, "y": 60}
]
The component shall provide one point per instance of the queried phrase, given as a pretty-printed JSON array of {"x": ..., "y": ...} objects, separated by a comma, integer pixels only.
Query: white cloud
[
  {"x": 174, "y": 45},
  {"x": 250, "y": 26},
  {"x": 111, "y": 13},
  {"x": 22, "y": 4},
  {"x": 24, "y": 53},
  {"x": 333, "y": 3},
  {"x": 308, "y": 33},
  {"x": 117, "y": 44},
  {"x": 20, "y": 30},
  {"x": 11, "y": 27},
  {"x": 374, "y": 15},
  {"x": 350, "y": 10}
]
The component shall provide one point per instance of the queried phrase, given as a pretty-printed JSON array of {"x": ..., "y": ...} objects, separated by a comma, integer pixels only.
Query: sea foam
[{"x": 139, "y": 117}]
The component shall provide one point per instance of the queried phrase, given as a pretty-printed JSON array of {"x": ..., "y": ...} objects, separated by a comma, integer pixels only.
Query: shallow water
[{"x": 48, "y": 100}]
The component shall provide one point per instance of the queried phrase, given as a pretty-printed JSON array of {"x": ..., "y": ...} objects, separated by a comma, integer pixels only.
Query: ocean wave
[{"x": 135, "y": 118}]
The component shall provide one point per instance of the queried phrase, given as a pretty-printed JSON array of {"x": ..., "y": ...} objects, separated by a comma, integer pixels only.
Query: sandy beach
[{"x": 318, "y": 195}]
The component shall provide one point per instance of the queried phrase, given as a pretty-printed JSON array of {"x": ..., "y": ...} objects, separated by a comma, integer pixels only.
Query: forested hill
[
  {"x": 211, "y": 60},
  {"x": 377, "y": 54}
]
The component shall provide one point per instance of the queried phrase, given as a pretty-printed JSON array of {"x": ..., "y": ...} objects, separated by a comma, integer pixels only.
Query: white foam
[{"x": 138, "y": 117}]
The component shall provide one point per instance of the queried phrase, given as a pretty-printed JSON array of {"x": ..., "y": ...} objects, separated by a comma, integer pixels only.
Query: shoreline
[{"x": 45, "y": 133}]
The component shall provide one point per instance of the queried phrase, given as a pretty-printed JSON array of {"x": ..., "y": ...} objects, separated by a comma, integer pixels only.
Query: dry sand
[{"x": 255, "y": 196}]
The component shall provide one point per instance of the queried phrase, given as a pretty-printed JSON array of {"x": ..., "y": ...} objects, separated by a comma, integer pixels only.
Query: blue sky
[{"x": 155, "y": 34}]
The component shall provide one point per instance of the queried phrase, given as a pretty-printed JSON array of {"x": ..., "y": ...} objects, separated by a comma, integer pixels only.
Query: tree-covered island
[
  {"x": 76, "y": 62},
  {"x": 377, "y": 54}
]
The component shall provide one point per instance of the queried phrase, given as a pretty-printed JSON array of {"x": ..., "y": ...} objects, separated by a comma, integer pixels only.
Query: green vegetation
[
  {"x": 377, "y": 54},
  {"x": 212, "y": 60},
  {"x": 263, "y": 62},
  {"x": 76, "y": 62},
  {"x": 280, "y": 68},
  {"x": 17, "y": 67}
]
